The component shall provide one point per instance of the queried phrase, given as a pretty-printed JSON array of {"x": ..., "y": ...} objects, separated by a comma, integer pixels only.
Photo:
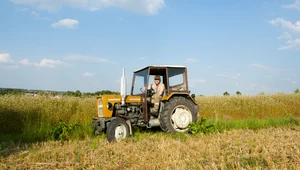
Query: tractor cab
[{"x": 174, "y": 79}]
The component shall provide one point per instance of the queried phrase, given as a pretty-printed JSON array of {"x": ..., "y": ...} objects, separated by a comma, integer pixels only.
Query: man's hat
[{"x": 157, "y": 77}]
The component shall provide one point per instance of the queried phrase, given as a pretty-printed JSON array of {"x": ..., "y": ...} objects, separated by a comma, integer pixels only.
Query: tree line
[
  {"x": 77, "y": 93},
  {"x": 297, "y": 91}
]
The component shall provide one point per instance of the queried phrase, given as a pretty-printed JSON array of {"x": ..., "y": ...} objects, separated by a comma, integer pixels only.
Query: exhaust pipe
[{"x": 123, "y": 87}]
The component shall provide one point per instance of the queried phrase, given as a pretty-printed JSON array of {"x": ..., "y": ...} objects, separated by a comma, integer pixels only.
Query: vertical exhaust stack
[{"x": 123, "y": 87}]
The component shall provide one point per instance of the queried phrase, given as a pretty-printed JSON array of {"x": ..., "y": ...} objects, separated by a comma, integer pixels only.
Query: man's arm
[
  {"x": 150, "y": 86},
  {"x": 161, "y": 89}
]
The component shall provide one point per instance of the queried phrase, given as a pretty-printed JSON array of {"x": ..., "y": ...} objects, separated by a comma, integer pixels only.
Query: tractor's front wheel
[
  {"x": 117, "y": 129},
  {"x": 177, "y": 114}
]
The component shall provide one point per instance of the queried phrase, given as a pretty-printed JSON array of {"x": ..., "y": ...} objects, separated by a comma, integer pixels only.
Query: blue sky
[{"x": 251, "y": 46}]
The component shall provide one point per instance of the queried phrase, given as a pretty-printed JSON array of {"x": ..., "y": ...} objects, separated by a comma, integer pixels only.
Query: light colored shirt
[{"x": 158, "y": 88}]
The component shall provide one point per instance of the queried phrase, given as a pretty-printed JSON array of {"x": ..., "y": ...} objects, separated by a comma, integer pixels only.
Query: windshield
[{"x": 140, "y": 82}]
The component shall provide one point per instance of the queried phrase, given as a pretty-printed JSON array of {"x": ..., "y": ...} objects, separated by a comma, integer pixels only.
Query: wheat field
[
  {"x": 26, "y": 123},
  {"x": 272, "y": 148}
]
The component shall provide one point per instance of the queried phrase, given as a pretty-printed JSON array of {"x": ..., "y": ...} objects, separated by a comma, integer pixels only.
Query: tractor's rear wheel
[
  {"x": 117, "y": 129},
  {"x": 177, "y": 114}
]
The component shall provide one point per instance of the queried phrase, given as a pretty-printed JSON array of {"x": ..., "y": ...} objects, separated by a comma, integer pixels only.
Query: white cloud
[
  {"x": 191, "y": 60},
  {"x": 286, "y": 24},
  {"x": 295, "y": 5},
  {"x": 290, "y": 80},
  {"x": 143, "y": 58},
  {"x": 50, "y": 63},
  {"x": 285, "y": 35},
  {"x": 88, "y": 59},
  {"x": 291, "y": 44},
  {"x": 24, "y": 10},
  {"x": 11, "y": 64},
  {"x": 195, "y": 82},
  {"x": 25, "y": 62},
  {"x": 265, "y": 68},
  {"x": 148, "y": 7},
  {"x": 259, "y": 87},
  {"x": 88, "y": 74},
  {"x": 229, "y": 76},
  {"x": 35, "y": 14},
  {"x": 4, "y": 58},
  {"x": 65, "y": 23}
]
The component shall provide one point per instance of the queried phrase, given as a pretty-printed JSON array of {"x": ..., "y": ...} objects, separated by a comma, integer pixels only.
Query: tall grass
[
  {"x": 244, "y": 107},
  {"x": 254, "y": 123},
  {"x": 26, "y": 118},
  {"x": 33, "y": 118}
]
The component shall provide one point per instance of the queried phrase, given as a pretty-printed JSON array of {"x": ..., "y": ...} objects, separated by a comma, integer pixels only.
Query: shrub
[
  {"x": 202, "y": 127},
  {"x": 64, "y": 131}
]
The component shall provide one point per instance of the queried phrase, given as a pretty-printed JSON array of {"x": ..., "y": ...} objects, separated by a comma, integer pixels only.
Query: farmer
[{"x": 159, "y": 89}]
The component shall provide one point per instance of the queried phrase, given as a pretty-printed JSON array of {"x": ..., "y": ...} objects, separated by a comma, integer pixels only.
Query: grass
[
  {"x": 34, "y": 118},
  {"x": 251, "y": 132},
  {"x": 30, "y": 119},
  {"x": 270, "y": 148},
  {"x": 243, "y": 107},
  {"x": 255, "y": 123}
]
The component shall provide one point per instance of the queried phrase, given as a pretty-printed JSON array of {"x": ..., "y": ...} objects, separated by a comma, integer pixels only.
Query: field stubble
[
  {"x": 272, "y": 148},
  {"x": 31, "y": 119}
]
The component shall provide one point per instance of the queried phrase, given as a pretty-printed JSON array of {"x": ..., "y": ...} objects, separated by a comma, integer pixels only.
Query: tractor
[{"x": 117, "y": 114}]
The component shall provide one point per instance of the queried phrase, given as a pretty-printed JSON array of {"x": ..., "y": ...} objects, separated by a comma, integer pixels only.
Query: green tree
[
  {"x": 103, "y": 92},
  {"x": 238, "y": 93},
  {"x": 297, "y": 91},
  {"x": 17, "y": 91},
  {"x": 226, "y": 93},
  {"x": 77, "y": 93},
  {"x": 70, "y": 93}
]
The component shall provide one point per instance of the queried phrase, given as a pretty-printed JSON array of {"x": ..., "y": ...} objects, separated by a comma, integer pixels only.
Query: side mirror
[{"x": 193, "y": 96}]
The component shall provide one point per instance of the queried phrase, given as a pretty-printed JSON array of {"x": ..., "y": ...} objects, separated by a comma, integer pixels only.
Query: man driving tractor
[{"x": 159, "y": 89}]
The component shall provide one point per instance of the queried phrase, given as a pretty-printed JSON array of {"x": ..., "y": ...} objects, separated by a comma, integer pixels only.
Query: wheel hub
[
  {"x": 120, "y": 132},
  {"x": 181, "y": 118}
]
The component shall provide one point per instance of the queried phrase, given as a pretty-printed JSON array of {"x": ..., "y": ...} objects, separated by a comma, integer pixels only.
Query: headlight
[{"x": 100, "y": 108}]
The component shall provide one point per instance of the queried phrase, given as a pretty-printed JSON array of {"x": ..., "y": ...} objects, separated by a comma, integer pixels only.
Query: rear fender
[{"x": 183, "y": 94}]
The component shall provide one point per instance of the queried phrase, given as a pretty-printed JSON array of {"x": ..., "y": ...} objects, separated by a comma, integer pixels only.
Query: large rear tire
[
  {"x": 177, "y": 114},
  {"x": 117, "y": 130}
]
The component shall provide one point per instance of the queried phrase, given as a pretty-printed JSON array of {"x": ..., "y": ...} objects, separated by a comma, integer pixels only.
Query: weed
[
  {"x": 253, "y": 162},
  {"x": 201, "y": 126},
  {"x": 65, "y": 131},
  {"x": 179, "y": 136}
]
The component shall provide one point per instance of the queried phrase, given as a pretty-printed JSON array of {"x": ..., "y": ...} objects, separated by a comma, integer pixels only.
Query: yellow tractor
[{"x": 177, "y": 108}]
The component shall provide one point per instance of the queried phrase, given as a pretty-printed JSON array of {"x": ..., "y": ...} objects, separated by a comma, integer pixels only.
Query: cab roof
[{"x": 160, "y": 66}]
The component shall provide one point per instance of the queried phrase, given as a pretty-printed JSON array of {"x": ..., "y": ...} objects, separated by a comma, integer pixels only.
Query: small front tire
[{"x": 117, "y": 130}]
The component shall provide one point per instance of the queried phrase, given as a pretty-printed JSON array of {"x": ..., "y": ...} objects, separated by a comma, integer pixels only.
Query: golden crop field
[
  {"x": 241, "y": 107},
  {"x": 39, "y": 115},
  {"x": 272, "y": 148},
  {"x": 29, "y": 121}
]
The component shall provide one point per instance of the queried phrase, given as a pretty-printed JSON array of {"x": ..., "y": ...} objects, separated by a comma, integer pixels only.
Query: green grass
[
  {"x": 31, "y": 119},
  {"x": 243, "y": 107},
  {"x": 34, "y": 118},
  {"x": 255, "y": 123}
]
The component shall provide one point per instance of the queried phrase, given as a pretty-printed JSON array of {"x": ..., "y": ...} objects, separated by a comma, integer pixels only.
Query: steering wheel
[
  {"x": 150, "y": 92},
  {"x": 142, "y": 89}
]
